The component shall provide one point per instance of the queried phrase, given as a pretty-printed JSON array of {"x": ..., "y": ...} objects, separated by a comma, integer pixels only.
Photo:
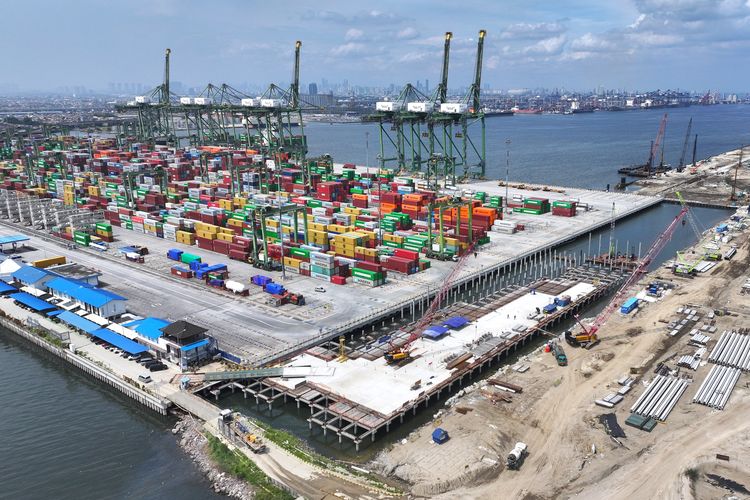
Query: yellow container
[
  {"x": 206, "y": 235},
  {"x": 50, "y": 261}
]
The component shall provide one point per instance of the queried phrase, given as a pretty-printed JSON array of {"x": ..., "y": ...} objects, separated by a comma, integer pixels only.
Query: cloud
[
  {"x": 410, "y": 33},
  {"x": 547, "y": 47},
  {"x": 348, "y": 49},
  {"x": 592, "y": 43},
  {"x": 492, "y": 62},
  {"x": 535, "y": 31},
  {"x": 353, "y": 34}
]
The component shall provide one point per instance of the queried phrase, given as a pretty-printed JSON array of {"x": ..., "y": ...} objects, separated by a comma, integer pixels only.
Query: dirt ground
[
  {"x": 569, "y": 452},
  {"x": 710, "y": 181}
]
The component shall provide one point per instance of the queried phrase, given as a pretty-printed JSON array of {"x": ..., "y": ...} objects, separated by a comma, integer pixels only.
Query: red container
[
  {"x": 338, "y": 280},
  {"x": 369, "y": 266},
  {"x": 406, "y": 254},
  {"x": 239, "y": 255},
  {"x": 221, "y": 246}
]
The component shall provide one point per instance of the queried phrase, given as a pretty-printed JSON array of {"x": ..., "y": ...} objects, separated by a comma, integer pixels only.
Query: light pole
[
  {"x": 507, "y": 170},
  {"x": 281, "y": 225},
  {"x": 367, "y": 151}
]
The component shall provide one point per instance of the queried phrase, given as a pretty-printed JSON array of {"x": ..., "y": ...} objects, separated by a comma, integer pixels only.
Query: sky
[{"x": 573, "y": 44}]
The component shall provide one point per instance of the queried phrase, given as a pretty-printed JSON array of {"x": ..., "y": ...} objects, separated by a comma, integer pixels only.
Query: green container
[
  {"x": 187, "y": 258},
  {"x": 366, "y": 273},
  {"x": 391, "y": 244},
  {"x": 104, "y": 226},
  {"x": 481, "y": 195},
  {"x": 128, "y": 225},
  {"x": 532, "y": 211},
  {"x": 314, "y": 203},
  {"x": 328, "y": 271},
  {"x": 299, "y": 252},
  {"x": 562, "y": 204}
]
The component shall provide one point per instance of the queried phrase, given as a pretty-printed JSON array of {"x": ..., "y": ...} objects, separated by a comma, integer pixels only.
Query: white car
[{"x": 320, "y": 289}]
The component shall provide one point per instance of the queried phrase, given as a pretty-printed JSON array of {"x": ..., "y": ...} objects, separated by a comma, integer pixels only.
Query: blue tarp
[
  {"x": 14, "y": 238},
  {"x": 29, "y": 300},
  {"x": 78, "y": 322},
  {"x": 54, "y": 313},
  {"x": 5, "y": 288},
  {"x": 439, "y": 435},
  {"x": 194, "y": 345},
  {"x": 118, "y": 340},
  {"x": 456, "y": 322},
  {"x": 434, "y": 332},
  {"x": 148, "y": 327}
]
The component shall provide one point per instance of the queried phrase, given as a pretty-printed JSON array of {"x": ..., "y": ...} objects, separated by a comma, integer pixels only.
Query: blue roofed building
[
  {"x": 33, "y": 277},
  {"x": 90, "y": 298},
  {"x": 148, "y": 328}
]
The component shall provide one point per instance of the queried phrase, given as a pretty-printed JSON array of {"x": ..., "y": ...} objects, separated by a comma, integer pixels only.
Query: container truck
[{"x": 516, "y": 456}]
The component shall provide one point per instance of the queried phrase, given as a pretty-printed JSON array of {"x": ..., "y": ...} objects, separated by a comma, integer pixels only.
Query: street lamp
[{"x": 507, "y": 170}]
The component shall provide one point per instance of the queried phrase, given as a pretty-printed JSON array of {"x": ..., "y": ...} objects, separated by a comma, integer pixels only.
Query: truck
[
  {"x": 516, "y": 456},
  {"x": 237, "y": 425},
  {"x": 559, "y": 354}
]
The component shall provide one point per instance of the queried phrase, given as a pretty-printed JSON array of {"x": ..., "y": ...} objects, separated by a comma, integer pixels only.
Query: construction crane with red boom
[
  {"x": 588, "y": 337},
  {"x": 398, "y": 354}
]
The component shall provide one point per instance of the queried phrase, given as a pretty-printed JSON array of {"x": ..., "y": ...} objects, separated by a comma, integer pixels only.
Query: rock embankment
[{"x": 195, "y": 444}]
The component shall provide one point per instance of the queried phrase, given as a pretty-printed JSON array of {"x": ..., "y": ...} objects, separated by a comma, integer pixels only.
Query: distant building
[
  {"x": 187, "y": 344},
  {"x": 309, "y": 101},
  {"x": 312, "y": 89}
]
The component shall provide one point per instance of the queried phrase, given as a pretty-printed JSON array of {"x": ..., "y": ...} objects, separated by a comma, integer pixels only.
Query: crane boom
[
  {"x": 657, "y": 141},
  {"x": 681, "y": 165},
  {"x": 474, "y": 92},
  {"x": 165, "y": 85},
  {"x": 690, "y": 216},
  {"x": 443, "y": 90},
  {"x": 395, "y": 352},
  {"x": 638, "y": 272},
  {"x": 295, "y": 80}
]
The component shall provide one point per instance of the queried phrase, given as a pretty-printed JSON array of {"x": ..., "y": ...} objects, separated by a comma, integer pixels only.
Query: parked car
[
  {"x": 145, "y": 378},
  {"x": 320, "y": 289},
  {"x": 157, "y": 367}
]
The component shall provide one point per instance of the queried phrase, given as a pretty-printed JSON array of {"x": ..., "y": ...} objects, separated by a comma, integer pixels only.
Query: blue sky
[{"x": 577, "y": 44}]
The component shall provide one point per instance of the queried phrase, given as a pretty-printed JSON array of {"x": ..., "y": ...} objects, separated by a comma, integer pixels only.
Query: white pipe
[
  {"x": 725, "y": 381},
  {"x": 712, "y": 386},
  {"x": 745, "y": 361},
  {"x": 666, "y": 399},
  {"x": 736, "y": 346},
  {"x": 731, "y": 388},
  {"x": 652, "y": 391},
  {"x": 742, "y": 350},
  {"x": 644, "y": 394},
  {"x": 719, "y": 345},
  {"x": 700, "y": 395},
  {"x": 649, "y": 408},
  {"x": 739, "y": 349},
  {"x": 714, "y": 395},
  {"x": 669, "y": 408},
  {"x": 730, "y": 348}
]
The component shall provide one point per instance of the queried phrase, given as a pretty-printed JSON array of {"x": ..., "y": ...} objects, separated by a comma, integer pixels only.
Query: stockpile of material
[
  {"x": 661, "y": 396},
  {"x": 732, "y": 349},
  {"x": 717, "y": 387}
]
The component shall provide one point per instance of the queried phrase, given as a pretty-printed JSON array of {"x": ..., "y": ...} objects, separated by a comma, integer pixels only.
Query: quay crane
[
  {"x": 588, "y": 337},
  {"x": 398, "y": 354}
]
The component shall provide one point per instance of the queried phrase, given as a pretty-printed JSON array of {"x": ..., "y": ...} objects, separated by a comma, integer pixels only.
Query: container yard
[{"x": 308, "y": 228}]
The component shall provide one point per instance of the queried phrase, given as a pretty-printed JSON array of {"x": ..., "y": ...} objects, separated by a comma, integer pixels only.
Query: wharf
[
  {"x": 354, "y": 403},
  {"x": 256, "y": 334}
]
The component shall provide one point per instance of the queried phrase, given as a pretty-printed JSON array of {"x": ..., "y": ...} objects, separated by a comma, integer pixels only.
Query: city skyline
[{"x": 640, "y": 44}]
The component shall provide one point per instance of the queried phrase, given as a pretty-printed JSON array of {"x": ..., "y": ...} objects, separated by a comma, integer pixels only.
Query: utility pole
[
  {"x": 507, "y": 170},
  {"x": 736, "y": 170}
]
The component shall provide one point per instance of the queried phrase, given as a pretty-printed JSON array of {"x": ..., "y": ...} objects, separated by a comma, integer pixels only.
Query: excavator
[{"x": 588, "y": 336}]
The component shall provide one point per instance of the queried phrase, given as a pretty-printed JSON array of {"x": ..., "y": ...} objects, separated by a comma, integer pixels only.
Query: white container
[
  {"x": 186, "y": 100},
  {"x": 272, "y": 103},
  {"x": 250, "y": 102},
  {"x": 203, "y": 101},
  {"x": 420, "y": 107},
  {"x": 389, "y": 106},
  {"x": 142, "y": 99},
  {"x": 453, "y": 108}
]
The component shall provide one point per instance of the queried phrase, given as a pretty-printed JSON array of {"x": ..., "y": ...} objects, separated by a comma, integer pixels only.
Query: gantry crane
[
  {"x": 588, "y": 336},
  {"x": 417, "y": 131},
  {"x": 402, "y": 353}
]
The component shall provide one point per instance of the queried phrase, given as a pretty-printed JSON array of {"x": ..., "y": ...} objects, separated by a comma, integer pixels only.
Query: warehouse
[{"x": 95, "y": 300}]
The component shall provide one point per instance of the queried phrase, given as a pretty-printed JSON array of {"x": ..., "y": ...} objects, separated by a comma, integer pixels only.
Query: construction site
[{"x": 364, "y": 295}]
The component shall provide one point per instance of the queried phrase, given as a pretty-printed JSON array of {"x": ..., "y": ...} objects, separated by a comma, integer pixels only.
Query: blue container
[
  {"x": 274, "y": 289},
  {"x": 216, "y": 283},
  {"x": 549, "y": 308},
  {"x": 174, "y": 254},
  {"x": 629, "y": 305},
  {"x": 261, "y": 280}
]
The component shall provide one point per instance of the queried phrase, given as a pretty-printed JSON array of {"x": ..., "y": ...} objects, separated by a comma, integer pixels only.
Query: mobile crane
[
  {"x": 402, "y": 354},
  {"x": 588, "y": 337}
]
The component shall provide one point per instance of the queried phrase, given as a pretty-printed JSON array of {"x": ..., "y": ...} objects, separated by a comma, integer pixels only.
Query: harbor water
[{"x": 67, "y": 436}]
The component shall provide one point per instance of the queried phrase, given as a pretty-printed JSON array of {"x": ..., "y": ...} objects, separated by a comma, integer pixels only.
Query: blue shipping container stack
[{"x": 174, "y": 254}]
